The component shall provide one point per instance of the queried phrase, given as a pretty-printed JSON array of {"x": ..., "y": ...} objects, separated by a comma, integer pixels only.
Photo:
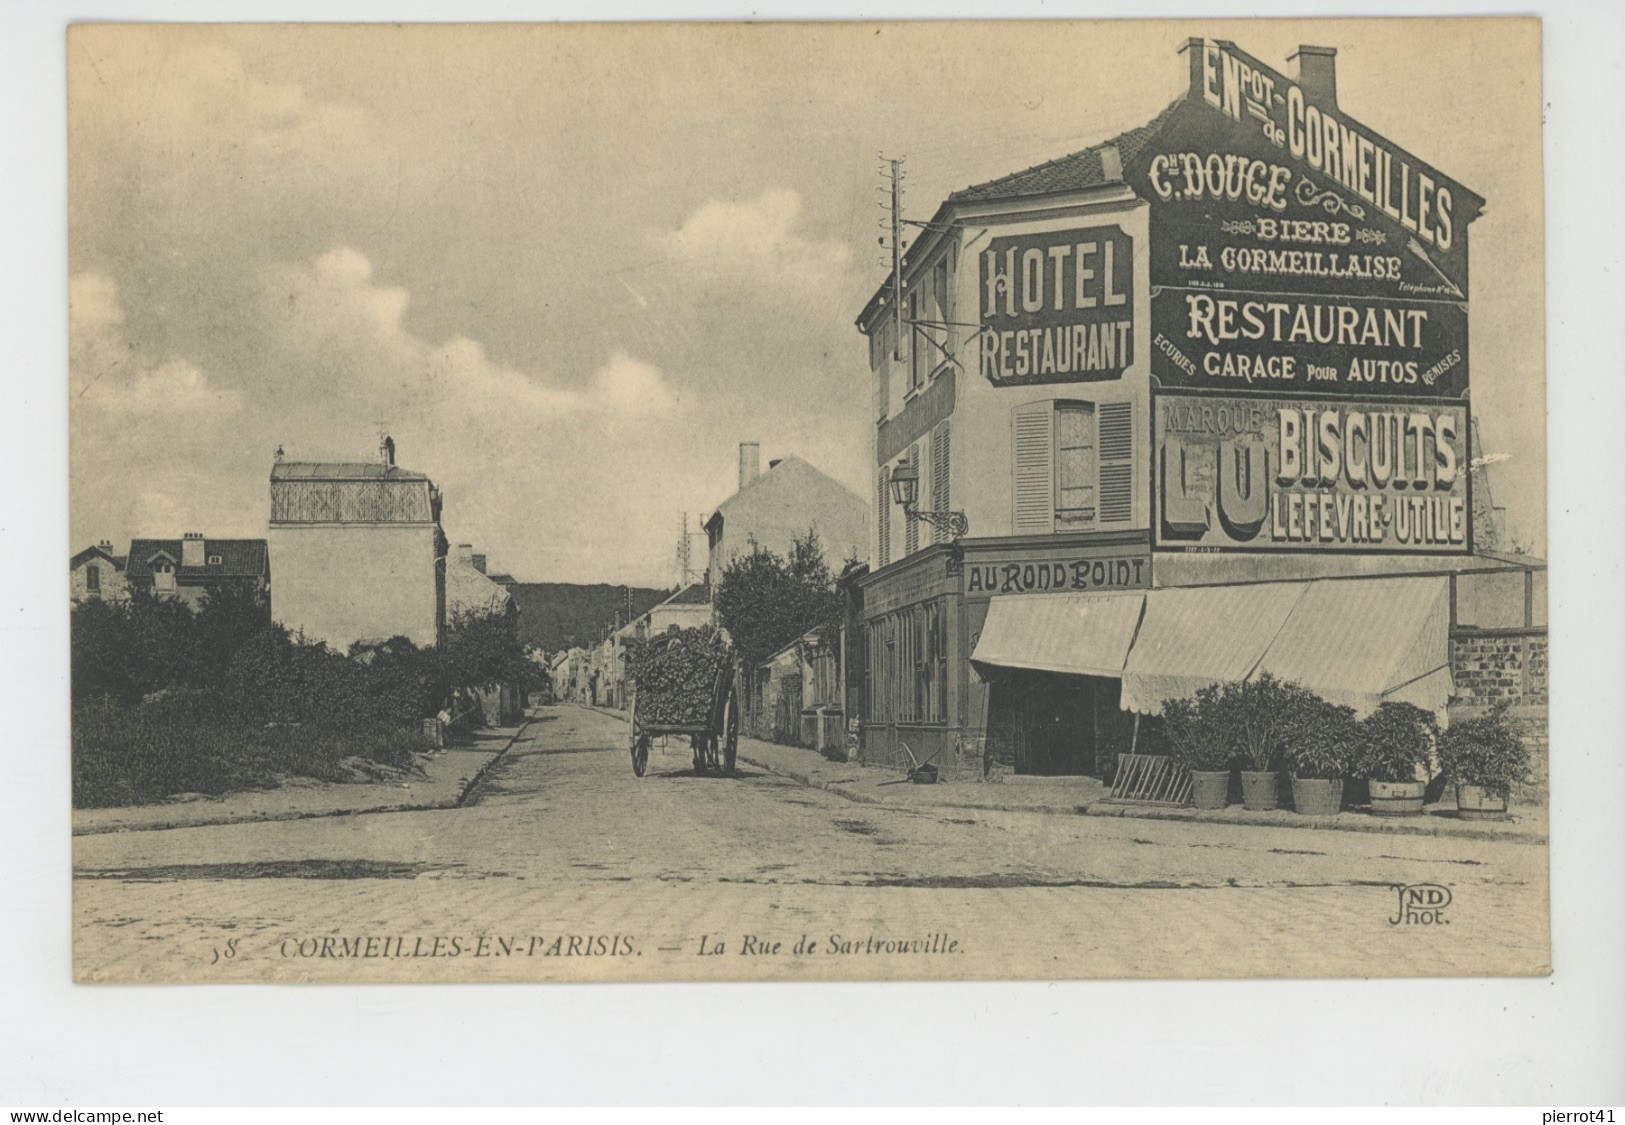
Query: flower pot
[
  {"x": 1397, "y": 798},
  {"x": 1210, "y": 789},
  {"x": 1317, "y": 796},
  {"x": 1480, "y": 802},
  {"x": 1260, "y": 791}
]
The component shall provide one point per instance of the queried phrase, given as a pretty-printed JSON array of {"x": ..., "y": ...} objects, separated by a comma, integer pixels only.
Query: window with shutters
[
  {"x": 1116, "y": 444},
  {"x": 1072, "y": 465},
  {"x": 940, "y": 500},
  {"x": 911, "y": 528},
  {"x": 883, "y": 516},
  {"x": 880, "y": 361},
  {"x": 1075, "y": 465},
  {"x": 919, "y": 351},
  {"x": 939, "y": 310}
]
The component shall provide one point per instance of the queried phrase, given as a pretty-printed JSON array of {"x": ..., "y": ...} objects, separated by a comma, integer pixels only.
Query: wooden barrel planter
[
  {"x": 1478, "y": 802},
  {"x": 1316, "y": 796},
  {"x": 1397, "y": 798},
  {"x": 1260, "y": 792},
  {"x": 1210, "y": 789}
]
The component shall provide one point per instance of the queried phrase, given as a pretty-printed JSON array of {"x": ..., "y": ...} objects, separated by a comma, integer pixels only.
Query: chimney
[
  {"x": 479, "y": 562},
  {"x": 192, "y": 552},
  {"x": 1111, "y": 164},
  {"x": 465, "y": 554},
  {"x": 1317, "y": 73},
  {"x": 106, "y": 545},
  {"x": 750, "y": 462},
  {"x": 386, "y": 451}
]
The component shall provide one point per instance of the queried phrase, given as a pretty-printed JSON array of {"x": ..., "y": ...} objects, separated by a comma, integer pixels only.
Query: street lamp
[{"x": 905, "y": 492}]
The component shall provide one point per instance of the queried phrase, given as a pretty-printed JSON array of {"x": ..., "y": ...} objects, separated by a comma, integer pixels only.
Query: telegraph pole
[{"x": 897, "y": 257}]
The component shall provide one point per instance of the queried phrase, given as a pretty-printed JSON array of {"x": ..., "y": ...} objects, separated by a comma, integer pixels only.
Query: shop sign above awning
[{"x": 1080, "y": 634}]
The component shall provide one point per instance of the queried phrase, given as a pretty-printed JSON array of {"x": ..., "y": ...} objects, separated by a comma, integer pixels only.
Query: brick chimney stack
[
  {"x": 192, "y": 552},
  {"x": 1317, "y": 73}
]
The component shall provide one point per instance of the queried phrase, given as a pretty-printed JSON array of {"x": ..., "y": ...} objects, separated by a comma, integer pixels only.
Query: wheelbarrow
[{"x": 920, "y": 773}]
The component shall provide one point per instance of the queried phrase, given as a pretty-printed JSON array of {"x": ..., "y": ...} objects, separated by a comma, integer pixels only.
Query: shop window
[
  {"x": 908, "y": 665},
  {"x": 1072, "y": 465}
]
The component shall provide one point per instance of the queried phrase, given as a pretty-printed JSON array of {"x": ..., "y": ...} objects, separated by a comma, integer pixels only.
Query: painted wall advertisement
[
  {"x": 1302, "y": 474},
  {"x": 1296, "y": 252},
  {"x": 1057, "y": 307}
]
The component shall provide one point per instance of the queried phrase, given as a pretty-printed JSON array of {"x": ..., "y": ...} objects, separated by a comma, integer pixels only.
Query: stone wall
[
  {"x": 1503, "y": 666},
  {"x": 1507, "y": 666}
]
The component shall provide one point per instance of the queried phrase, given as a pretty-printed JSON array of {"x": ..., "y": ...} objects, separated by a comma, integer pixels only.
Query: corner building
[{"x": 1201, "y": 394}]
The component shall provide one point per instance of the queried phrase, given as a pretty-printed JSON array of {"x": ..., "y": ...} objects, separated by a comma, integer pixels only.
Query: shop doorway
[{"x": 1051, "y": 724}]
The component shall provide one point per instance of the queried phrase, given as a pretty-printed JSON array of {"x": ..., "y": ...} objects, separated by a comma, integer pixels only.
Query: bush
[
  {"x": 1197, "y": 735},
  {"x": 1396, "y": 742},
  {"x": 168, "y": 699},
  {"x": 1261, "y": 716},
  {"x": 1323, "y": 740},
  {"x": 195, "y": 741},
  {"x": 1484, "y": 751}
]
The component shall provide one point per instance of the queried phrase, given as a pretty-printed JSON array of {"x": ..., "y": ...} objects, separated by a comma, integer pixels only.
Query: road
[{"x": 562, "y": 865}]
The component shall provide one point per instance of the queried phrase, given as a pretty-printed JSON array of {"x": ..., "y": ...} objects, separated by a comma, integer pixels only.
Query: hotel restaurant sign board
[
  {"x": 1294, "y": 474},
  {"x": 1294, "y": 251},
  {"x": 1057, "y": 307}
]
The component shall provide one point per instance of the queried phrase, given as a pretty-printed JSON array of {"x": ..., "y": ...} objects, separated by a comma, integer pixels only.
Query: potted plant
[
  {"x": 1483, "y": 757},
  {"x": 1321, "y": 748},
  {"x": 1199, "y": 744},
  {"x": 1395, "y": 742},
  {"x": 1259, "y": 714}
]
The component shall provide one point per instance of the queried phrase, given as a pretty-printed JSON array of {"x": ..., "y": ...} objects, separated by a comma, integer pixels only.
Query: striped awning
[
  {"x": 1364, "y": 641},
  {"x": 1081, "y": 634},
  {"x": 1199, "y": 635},
  {"x": 1354, "y": 641}
]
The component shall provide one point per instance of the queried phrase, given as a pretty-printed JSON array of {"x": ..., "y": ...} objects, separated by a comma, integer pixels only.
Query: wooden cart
[{"x": 715, "y": 741}]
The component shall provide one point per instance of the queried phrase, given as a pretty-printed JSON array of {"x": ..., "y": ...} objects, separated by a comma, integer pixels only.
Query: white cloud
[
  {"x": 758, "y": 238},
  {"x": 106, "y": 376}
]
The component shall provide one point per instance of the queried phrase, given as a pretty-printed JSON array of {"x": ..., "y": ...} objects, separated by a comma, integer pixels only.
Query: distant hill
[{"x": 560, "y": 615}]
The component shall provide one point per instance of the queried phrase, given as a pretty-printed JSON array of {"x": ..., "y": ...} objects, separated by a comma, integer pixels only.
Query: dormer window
[{"x": 216, "y": 560}]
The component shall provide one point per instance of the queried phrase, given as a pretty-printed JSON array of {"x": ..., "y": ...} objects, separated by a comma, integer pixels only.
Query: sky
[{"x": 570, "y": 268}]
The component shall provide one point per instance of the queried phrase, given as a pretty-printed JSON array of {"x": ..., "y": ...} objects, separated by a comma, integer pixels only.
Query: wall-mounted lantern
[{"x": 905, "y": 492}]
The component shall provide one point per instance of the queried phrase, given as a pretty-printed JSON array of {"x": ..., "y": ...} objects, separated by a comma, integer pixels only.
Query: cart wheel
[
  {"x": 728, "y": 742},
  {"x": 640, "y": 754}
]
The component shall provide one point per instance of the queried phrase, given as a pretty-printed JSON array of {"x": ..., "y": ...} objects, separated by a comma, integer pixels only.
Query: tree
[{"x": 765, "y": 601}]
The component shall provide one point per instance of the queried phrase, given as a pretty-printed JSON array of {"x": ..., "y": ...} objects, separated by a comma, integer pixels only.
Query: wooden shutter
[
  {"x": 1116, "y": 462},
  {"x": 883, "y": 518},
  {"x": 880, "y": 360},
  {"x": 940, "y": 501},
  {"x": 911, "y": 528},
  {"x": 1032, "y": 474}
]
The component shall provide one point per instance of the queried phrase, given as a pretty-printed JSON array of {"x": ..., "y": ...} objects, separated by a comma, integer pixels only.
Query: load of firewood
[{"x": 676, "y": 676}]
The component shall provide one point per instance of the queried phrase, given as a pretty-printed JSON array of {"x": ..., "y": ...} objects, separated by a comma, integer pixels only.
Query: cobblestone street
[{"x": 562, "y": 865}]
